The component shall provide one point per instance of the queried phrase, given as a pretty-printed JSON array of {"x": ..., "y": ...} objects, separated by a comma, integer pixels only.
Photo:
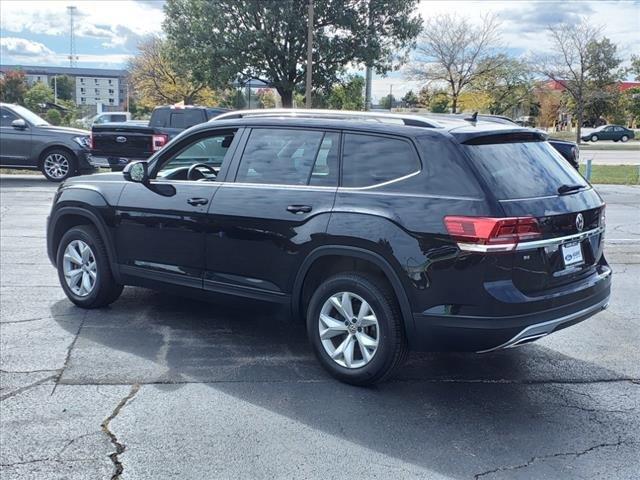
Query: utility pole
[
  {"x": 368, "y": 72},
  {"x": 55, "y": 89},
  {"x": 307, "y": 89},
  {"x": 390, "y": 96},
  {"x": 72, "y": 42}
]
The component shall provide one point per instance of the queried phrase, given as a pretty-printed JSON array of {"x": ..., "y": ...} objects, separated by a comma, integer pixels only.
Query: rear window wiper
[{"x": 563, "y": 189}]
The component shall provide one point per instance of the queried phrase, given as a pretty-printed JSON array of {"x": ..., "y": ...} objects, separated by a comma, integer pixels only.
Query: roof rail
[{"x": 381, "y": 117}]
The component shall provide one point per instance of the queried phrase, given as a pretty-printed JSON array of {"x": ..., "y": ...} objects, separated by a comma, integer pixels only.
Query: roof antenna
[{"x": 473, "y": 118}]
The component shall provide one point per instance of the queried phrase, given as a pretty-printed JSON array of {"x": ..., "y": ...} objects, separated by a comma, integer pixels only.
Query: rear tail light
[
  {"x": 158, "y": 141},
  {"x": 485, "y": 234}
]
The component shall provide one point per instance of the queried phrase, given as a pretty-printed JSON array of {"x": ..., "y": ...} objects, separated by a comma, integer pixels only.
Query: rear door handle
[
  {"x": 299, "y": 208},
  {"x": 197, "y": 201}
]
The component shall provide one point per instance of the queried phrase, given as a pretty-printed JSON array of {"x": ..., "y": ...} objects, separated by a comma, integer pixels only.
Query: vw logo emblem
[
  {"x": 121, "y": 139},
  {"x": 579, "y": 222}
]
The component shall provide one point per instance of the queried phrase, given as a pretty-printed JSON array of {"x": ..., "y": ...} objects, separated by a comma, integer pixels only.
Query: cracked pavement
[{"x": 157, "y": 386}]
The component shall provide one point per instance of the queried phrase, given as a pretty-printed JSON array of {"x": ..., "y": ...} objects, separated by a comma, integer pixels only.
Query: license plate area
[{"x": 572, "y": 254}]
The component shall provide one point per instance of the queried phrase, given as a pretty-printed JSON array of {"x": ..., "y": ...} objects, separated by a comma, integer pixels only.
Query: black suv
[{"x": 383, "y": 233}]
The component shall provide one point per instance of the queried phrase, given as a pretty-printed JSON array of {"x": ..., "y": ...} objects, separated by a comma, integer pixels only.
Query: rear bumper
[{"x": 487, "y": 333}]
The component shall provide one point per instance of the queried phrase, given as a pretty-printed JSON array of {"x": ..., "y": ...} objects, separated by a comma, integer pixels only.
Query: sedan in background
[{"x": 616, "y": 133}]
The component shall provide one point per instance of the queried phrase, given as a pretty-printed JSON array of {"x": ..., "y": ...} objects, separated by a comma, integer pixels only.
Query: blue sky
[{"x": 107, "y": 31}]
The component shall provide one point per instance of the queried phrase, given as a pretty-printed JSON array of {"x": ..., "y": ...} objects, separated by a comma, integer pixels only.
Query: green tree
[
  {"x": 410, "y": 99},
  {"x": 603, "y": 95},
  {"x": 266, "y": 39},
  {"x": 439, "y": 102},
  {"x": 347, "y": 94},
  {"x": 387, "y": 102},
  {"x": 424, "y": 96},
  {"x": 37, "y": 96},
  {"x": 13, "y": 87},
  {"x": 508, "y": 86},
  {"x": 53, "y": 116},
  {"x": 64, "y": 86},
  {"x": 635, "y": 66}
]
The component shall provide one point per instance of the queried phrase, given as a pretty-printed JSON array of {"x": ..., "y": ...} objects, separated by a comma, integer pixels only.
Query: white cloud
[
  {"x": 121, "y": 23},
  {"x": 22, "y": 48}
]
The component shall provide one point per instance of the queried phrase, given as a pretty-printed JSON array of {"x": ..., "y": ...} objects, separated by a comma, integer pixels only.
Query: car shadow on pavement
[{"x": 454, "y": 414}]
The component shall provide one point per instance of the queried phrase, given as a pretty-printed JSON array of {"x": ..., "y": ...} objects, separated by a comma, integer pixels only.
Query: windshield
[
  {"x": 523, "y": 169},
  {"x": 29, "y": 116}
]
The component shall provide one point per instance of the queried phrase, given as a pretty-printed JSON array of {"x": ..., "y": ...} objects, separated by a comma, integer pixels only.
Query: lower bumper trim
[{"x": 539, "y": 330}]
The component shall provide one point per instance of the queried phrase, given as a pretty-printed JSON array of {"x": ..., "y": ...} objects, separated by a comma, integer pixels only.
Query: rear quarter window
[
  {"x": 446, "y": 173},
  {"x": 370, "y": 160}
]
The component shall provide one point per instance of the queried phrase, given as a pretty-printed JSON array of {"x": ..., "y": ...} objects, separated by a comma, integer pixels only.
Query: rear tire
[
  {"x": 58, "y": 165},
  {"x": 346, "y": 349},
  {"x": 594, "y": 138},
  {"x": 84, "y": 270}
]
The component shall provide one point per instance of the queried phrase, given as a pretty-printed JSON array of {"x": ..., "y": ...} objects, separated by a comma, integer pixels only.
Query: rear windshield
[{"x": 523, "y": 169}]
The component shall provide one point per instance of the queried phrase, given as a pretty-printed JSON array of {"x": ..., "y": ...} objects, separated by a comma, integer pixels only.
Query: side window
[
  {"x": 208, "y": 152},
  {"x": 159, "y": 118},
  {"x": 118, "y": 118},
  {"x": 370, "y": 160},
  {"x": 281, "y": 156},
  {"x": 6, "y": 117}
]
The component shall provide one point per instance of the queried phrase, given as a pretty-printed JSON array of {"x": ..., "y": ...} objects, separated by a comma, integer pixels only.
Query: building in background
[{"x": 93, "y": 86}]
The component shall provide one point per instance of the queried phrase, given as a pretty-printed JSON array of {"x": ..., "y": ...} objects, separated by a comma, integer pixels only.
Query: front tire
[
  {"x": 355, "y": 328},
  {"x": 58, "y": 165},
  {"x": 624, "y": 138},
  {"x": 83, "y": 268}
]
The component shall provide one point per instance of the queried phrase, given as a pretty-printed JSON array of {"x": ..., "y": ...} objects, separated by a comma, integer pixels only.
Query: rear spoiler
[{"x": 502, "y": 136}]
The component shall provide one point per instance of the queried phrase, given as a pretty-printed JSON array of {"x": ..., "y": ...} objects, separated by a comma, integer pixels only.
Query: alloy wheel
[
  {"x": 56, "y": 165},
  {"x": 80, "y": 268},
  {"x": 349, "y": 330}
]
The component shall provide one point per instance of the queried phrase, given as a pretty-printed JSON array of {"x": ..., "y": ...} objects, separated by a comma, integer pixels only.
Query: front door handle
[
  {"x": 197, "y": 201},
  {"x": 299, "y": 208}
]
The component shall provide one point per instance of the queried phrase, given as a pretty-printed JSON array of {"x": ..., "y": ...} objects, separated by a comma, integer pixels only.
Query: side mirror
[
  {"x": 136, "y": 172},
  {"x": 19, "y": 124}
]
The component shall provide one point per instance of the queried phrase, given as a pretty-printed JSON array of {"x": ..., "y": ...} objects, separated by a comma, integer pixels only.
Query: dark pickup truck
[{"x": 113, "y": 145}]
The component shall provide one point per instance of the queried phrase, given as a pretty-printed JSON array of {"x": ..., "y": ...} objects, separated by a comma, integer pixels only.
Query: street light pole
[{"x": 309, "y": 55}]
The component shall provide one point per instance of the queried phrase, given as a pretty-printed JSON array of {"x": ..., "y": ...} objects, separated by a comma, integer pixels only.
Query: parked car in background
[
  {"x": 617, "y": 133},
  {"x": 113, "y": 145},
  {"x": 383, "y": 233},
  {"x": 29, "y": 142},
  {"x": 105, "y": 117}
]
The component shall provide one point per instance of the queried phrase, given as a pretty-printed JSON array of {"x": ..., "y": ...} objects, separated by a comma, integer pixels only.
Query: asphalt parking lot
[{"x": 160, "y": 387}]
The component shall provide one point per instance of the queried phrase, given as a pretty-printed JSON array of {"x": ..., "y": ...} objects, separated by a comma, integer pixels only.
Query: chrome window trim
[
  {"x": 547, "y": 242},
  {"x": 388, "y": 182}
]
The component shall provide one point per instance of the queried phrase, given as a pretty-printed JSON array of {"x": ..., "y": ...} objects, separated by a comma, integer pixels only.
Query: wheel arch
[
  {"x": 68, "y": 217},
  {"x": 354, "y": 253}
]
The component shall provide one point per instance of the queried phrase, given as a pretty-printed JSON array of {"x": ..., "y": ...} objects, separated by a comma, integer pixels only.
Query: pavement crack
[
  {"x": 66, "y": 360},
  {"x": 119, "y": 446},
  {"x": 552, "y": 455},
  {"x": 29, "y": 371},
  {"x": 27, "y": 387}
]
